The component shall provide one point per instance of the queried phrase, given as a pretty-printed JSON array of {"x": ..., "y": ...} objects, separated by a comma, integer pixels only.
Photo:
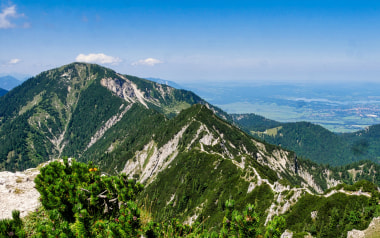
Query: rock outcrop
[{"x": 17, "y": 192}]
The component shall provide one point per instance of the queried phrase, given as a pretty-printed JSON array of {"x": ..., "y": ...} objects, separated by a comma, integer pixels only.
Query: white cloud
[
  {"x": 14, "y": 61},
  {"x": 9, "y": 12},
  {"x": 148, "y": 61},
  {"x": 98, "y": 58}
]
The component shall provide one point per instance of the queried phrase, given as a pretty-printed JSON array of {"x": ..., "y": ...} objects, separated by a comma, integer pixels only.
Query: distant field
[
  {"x": 271, "y": 111},
  {"x": 272, "y": 132},
  {"x": 283, "y": 113},
  {"x": 338, "y": 107}
]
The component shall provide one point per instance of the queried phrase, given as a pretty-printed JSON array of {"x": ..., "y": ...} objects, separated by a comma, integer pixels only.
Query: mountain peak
[
  {"x": 67, "y": 110},
  {"x": 8, "y": 82}
]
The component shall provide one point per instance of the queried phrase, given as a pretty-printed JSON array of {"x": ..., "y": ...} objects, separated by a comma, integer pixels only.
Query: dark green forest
[
  {"x": 2, "y": 92},
  {"x": 314, "y": 142}
]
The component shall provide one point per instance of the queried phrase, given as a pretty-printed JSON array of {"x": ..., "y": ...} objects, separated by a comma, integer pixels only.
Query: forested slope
[
  {"x": 2, "y": 92},
  {"x": 314, "y": 142},
  {"x": 194, "y": 163},
  {"x": 65, "y": 111}
]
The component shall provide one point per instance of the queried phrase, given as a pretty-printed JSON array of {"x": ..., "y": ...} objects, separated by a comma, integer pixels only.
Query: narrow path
[{"x": 351, "y": 193}]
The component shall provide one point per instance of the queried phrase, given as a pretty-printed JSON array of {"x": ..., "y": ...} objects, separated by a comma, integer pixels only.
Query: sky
[{"x": 189, "y": 41}]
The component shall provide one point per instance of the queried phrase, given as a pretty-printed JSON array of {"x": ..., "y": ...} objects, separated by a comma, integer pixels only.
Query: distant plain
[{"x": 337, "y": 106}]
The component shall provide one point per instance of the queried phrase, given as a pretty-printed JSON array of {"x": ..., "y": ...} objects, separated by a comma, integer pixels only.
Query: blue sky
[{"x": 183, "y": 41}]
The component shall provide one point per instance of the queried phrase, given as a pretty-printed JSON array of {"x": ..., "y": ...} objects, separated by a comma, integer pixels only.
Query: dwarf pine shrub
[{"x": 82, "y": 203}]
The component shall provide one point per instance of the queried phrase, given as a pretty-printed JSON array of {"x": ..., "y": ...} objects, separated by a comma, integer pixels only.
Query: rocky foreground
[{"x": 17, "y": 192}]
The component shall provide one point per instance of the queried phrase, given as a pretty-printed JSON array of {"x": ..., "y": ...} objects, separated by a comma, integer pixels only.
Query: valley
[
  {"x": 339, "y": 107},
  {"x": 193, "y": 119},
  {"x": 181, "y": 157}
]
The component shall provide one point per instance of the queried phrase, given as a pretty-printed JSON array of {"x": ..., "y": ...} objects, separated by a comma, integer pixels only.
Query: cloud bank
[
  {"x": 6, "y": 14},
  {"x": 148, "y": 61},
  {"x": 98, "y": 58}
]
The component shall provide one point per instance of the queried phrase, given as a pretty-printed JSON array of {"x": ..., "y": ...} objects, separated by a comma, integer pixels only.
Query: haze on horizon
[{"x": 187, "y": 41}]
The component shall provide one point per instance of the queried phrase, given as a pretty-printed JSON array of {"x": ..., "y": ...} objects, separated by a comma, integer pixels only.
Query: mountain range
[
  {"x": 189, "y": 154},
  {"x": 3, "y": 91},
  {"x": 8, "y": 82}
]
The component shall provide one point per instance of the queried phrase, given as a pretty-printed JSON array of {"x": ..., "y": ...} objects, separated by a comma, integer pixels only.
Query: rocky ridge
[{"x": 52, "y": 109}]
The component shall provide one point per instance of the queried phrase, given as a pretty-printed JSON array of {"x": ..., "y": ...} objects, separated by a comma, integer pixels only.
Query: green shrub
[
  {"x": 12, "y": 227},
  {"x": 81, "y": 202}
]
